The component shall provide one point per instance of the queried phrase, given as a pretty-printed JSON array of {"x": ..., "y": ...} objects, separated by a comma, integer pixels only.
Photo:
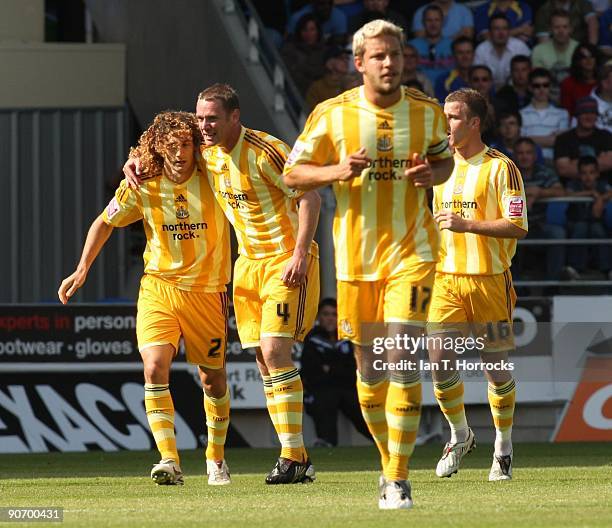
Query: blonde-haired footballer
[
  {"x": 381, "y": 146},
  {"x": 183, "y": 290},
  {"x": 276, "y": 276},
  {"x": 481, "y": 211}
]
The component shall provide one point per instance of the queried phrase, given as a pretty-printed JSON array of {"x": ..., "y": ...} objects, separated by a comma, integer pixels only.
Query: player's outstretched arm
[
  {"x": 309, "y": 205},
  {"x": 306, "y": 177},
  {"x": 131, "y": 171},
  {"x": 96, "y": 238}
]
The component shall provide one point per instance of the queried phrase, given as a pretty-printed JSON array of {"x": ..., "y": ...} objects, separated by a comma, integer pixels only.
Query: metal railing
[
  {"x": 287, "y": 97},
  {"x": 565, "y": 242}
]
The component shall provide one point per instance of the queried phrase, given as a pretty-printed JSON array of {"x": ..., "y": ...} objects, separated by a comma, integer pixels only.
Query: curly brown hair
[{"x": 152, "y": 143}]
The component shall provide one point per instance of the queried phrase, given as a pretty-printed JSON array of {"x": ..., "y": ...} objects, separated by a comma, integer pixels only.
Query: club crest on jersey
[
  {"x": 346, "y": 327},
  {"x": 182, "y": 212},
  {"x": 458, "y": 188},
  {"x": 384, "y": 144}
]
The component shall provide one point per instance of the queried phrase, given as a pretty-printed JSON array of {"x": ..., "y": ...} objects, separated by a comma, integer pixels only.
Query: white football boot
[
  {"x": 501, "y": 469},
  {"x": 453, "y": 454},
  {"x": 218, "y": 473},
  {"x": 167, "y": 473},
  {"x": 394, "y": 495}
]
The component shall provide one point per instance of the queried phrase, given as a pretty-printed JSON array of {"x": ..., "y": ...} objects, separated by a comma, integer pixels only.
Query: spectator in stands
[
  {"x": 373, "y": 9},
  {"x": 481, "y": 79},
  {"x": 518, "y": 14},
  {"x": 332, "y": 20},
  {"x": 540, "y": 182},
  {"x": 304, "y": 54},
  {"x": 605, "y": 33},
  {"x": 603, "y": 95},
  {"x": 582, "y": 78},
  {"x": 410, "y": 72},
  {"x": 508, "y": 133},
  {"x": 497, "y": 52},
  {"x": 458, "y": 20},
  {"x": 458, "y": 77},
  {"x": 516, "y": 95},
  {"x": 555, "y": 54},
  {"x": 435, "y": 53},
  {"x": 584, "y": 140},
  {"x": 582, "y": 16},
  {"x": 334, "y": 81},
  {"x": 585, "y": 220},
  {"x": 542, "y": 121},
  {"x": 328, "y": 375}
]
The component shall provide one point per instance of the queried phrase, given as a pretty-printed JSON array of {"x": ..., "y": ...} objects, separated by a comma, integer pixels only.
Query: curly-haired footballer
[{"x": 183, "y": 290}]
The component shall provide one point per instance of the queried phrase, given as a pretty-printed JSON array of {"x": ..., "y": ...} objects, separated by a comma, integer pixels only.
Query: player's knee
[
  {"x": 156, "y": 371},
  {"x": 213, "y": 381}
]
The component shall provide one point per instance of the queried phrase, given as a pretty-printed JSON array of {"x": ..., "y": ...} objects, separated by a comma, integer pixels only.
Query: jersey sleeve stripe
[
  {"x": 269, "y": 147},
  {"x": 513, "y": 173},
  {"x": 273, "y": 154}
]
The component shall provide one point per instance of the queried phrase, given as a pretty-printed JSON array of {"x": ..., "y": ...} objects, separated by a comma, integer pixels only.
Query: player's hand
[
  {"x": 294, "y": 273},
  {"x": 420, "y": 172},
  {"x": 70, "y": 285},
  {"x": 451, "y": 221},
  {"x": 131, "y": 170},
  {"x": 353, "y": 165}
]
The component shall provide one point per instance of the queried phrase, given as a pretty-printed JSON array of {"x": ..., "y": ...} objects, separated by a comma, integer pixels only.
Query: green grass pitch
[{"x": 566, "y": 485}]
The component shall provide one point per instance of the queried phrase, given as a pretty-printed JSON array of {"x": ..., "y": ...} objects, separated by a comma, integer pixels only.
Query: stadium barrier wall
[{"x": 71, "y": 378}]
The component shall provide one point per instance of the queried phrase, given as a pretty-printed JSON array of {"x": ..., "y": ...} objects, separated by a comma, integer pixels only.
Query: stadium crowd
[{"x": 545, "y": 68}]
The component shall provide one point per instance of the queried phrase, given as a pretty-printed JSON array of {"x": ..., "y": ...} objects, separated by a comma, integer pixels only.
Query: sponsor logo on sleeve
[
  {"x": 515, "y": 207},
  {"x": 295, "y": 153}
]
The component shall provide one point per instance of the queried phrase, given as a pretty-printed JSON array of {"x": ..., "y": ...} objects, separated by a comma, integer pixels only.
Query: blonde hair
[
  {"x": 374, "y": 29},
  {"x": 152, "y": 143}
]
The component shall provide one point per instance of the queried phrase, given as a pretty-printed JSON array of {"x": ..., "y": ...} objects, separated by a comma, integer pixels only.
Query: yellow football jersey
[
  {"x": 382, "y": 224},
  {"x": 187, "y": 234},
  {"x": 487, "y": 186},
  {"x": 248, "y": 185}
]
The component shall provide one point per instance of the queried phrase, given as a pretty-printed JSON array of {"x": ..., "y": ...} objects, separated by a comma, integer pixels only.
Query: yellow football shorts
[
  {"x": 401, "y": 298},
  {"x": 480, "y": 304},
  {"x": 166, "y": 312},
  {"x": 265, "y": 307}
]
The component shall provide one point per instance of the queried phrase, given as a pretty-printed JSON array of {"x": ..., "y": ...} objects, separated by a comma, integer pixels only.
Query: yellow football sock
[
  {"x": 160, "y": 414},
  {"x": 501, "y": 402},
  {"x": 270, "y": 403},
  {"x": 403, "y": 412},
  {"x": 288, "y": 400},
  {"x": 217, "y": 421},
  {"x": 372, "y": 397}
]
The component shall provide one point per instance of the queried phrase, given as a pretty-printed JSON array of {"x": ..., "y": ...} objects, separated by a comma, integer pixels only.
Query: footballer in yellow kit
[
  {"x": 481, "y": 212},
  {"x": 381, "y": 146},
  {"x": 276, "y": 276},
  {"x": 183, "y": 290},
  {"x": 248, "y": 185}
]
